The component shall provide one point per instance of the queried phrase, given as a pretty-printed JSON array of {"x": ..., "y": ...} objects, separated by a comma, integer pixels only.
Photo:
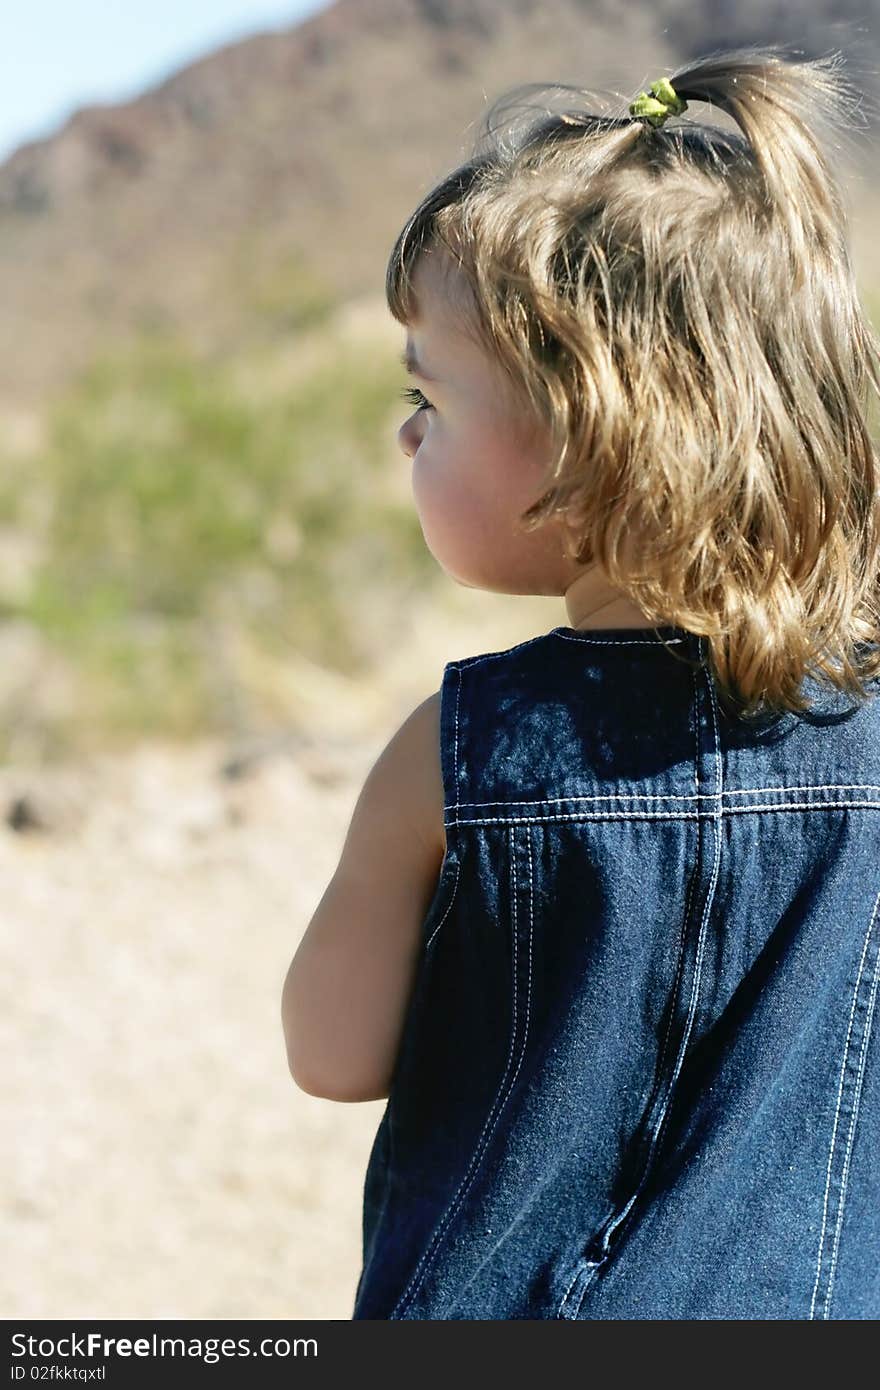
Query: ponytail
[{"x": 677, "y": 303}]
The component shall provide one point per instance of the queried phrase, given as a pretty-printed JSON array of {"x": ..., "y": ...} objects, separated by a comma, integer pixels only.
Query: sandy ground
[
  {"x": 157, "y": 1159},
  {"x": 162, "y": 1163}
]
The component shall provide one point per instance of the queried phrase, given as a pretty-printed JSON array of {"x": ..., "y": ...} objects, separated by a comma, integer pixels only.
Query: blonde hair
[{"x": 678, "y": 305}]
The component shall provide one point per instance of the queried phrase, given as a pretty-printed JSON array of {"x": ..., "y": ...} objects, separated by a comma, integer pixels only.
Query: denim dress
[{"x": 639, "y": 1072}]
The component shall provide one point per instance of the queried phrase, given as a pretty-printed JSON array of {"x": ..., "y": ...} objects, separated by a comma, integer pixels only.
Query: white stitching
[
  {"x": 457, "y": 670},
  {"x": 430, "y": 1251},
  {"x": 696, "y": 707},
  {"x": 586, "y": 816},
  {"x": 805, "y": 787},
  {"x": 852, "y": 1013},
  {"x": 504, "y": 1234},
  {"x": 619, "y": 641},
  {"x": 857, "y": 1100},
  {"x": 568, "y": 1290},
  {"x": 677, "y": 796},
  {"x": 694, "y": 878},
  {"x": 672, "y": 815},
  {"x": 495, "y": 656},
  {"x": 604, "y": 796},
  {"x": 857, "y": 1096},
  {"x": 570, "y": 637},
  {"x": 447, "y": 912}
]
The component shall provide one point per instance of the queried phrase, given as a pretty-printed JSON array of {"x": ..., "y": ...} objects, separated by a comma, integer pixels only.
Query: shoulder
[
  {"x": 410, "y": 770},
  {"x": 420, "y": 766}
]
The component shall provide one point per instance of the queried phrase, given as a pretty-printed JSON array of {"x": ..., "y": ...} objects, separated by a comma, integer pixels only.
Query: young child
[{"x": 605, "y": 928}]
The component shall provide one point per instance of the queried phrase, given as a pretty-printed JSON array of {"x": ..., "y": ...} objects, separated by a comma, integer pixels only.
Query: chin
[
  {"x": 449, "y": 564},
  {"x": 461, "y": 579},
  {"x": 451, "y": 573}
]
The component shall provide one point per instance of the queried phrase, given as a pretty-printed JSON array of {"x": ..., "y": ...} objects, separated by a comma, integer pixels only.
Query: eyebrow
[{"x": 409, "y": 360}]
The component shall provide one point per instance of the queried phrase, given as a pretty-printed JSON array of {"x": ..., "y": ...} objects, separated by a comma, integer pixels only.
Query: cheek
[
  {"x": 439, "y": 491},
  {"x": 464, "y": 512},
  {"x": 453, "y": 514}
]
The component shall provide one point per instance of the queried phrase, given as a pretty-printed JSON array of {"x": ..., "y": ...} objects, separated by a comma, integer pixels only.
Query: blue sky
[{"x": 56, "y": 55}]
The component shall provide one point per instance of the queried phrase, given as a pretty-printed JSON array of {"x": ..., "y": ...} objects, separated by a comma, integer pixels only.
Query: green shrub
[{"x": 181, "y": 510}]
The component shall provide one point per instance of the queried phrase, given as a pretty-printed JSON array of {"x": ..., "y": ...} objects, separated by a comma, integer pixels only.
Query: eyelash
[{"x": 415, "y": 397}]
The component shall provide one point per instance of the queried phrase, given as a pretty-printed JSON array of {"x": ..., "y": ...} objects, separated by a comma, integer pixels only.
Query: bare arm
[{"x": 348, "y": 985}]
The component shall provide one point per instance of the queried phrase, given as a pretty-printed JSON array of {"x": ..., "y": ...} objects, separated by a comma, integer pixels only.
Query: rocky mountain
[{"x": 266, "y": 181}]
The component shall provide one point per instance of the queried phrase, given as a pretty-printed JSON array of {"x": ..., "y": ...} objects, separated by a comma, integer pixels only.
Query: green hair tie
[{"x": 664, "y": 102}]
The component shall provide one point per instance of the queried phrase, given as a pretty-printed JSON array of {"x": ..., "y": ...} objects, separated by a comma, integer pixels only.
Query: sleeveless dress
[{"x": 639, "y": 1074}]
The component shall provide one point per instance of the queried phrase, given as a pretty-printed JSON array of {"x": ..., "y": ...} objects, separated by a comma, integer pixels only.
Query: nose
[{"x": 409, "y": 436}]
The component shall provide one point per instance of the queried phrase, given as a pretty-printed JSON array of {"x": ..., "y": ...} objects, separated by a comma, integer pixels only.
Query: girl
[{"x": 605, "y": 928}]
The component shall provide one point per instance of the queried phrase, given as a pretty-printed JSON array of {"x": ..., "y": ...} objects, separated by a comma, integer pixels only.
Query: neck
[{"x": 592, "y": 603}]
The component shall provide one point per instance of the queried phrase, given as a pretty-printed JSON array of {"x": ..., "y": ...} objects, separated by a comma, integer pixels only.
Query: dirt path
[{"x": 161, "y": 1162}]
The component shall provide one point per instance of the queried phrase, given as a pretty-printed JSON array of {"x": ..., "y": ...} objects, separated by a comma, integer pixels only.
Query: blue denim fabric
[{"x": 638, "y": 1076}]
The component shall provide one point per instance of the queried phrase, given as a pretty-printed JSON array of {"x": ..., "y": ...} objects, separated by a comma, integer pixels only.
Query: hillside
[{"x": 256, "y": 187}]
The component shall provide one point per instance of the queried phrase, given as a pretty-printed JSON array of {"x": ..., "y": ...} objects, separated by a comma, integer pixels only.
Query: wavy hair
[{"x": 678, "y": 305}]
